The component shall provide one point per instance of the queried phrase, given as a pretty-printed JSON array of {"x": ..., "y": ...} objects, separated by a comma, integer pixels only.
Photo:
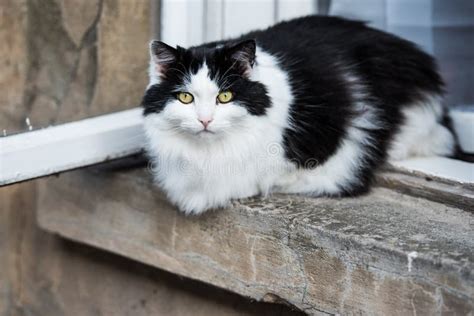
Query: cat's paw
[
  {"x": 192, "y": 207},
  {"x": 196, "y": 204},
  {"x": 287, "y": 183}
]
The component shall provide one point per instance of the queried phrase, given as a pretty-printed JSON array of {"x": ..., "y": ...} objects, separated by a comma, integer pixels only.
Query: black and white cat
[{"x": 310, "y": 106}]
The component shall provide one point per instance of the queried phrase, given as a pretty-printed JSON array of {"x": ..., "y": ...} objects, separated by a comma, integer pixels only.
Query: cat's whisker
[
  {"x": 226, "y": 84},
  {"x": 231, "y": 67},
  {"x": 180, "y": 71}
]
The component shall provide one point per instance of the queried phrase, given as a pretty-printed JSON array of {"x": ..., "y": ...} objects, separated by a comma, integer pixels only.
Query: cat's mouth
[{"x": 205, "y": 132}]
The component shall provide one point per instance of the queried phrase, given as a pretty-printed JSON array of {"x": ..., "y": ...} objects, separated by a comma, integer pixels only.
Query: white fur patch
[
  {"x": 205, "y": 92},
  {"x": 422, "y": 134}
]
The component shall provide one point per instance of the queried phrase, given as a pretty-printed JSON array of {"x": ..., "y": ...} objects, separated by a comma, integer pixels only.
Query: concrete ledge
[{"x": 384, "y": 253}]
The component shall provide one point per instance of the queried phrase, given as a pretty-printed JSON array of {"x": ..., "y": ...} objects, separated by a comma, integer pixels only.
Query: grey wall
[{"x": 442, "y": 28}]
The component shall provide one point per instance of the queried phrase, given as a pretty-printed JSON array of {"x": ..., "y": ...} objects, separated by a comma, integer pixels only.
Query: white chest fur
[{"x": 207, "y": 177}]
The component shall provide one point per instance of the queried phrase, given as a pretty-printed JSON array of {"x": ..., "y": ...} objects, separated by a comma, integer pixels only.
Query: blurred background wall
[
  {"x": 442, "y": 28},
  {"x": 63, "y": 60}
]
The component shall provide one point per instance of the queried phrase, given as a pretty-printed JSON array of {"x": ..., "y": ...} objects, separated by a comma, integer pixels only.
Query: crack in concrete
[{"x": 253, "y": 263}]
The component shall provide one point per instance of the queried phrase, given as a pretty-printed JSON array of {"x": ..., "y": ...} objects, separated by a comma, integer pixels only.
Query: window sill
[
  {"x": 438, "y": 179},
  {"x": 440, "y": 168},
  {"x": 383, "y": 252},
  {"x": 70, "y": 146}
]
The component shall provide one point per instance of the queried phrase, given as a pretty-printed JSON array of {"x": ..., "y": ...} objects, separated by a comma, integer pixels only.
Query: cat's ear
[
  {"x": 161, "y": 57},
  {"x": 244, "y": 54}
]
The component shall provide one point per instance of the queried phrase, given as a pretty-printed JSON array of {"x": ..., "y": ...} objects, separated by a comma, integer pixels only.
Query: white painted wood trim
[
  {"x": 463, "y": 122},
  {"x": 290, "y": 9},
  {"x": 182, "y": 22},
  {"x": 242, "y": 16},
  {"x": 64, "y": 147},
  {"x": 214, "y": 20},
  {"x": 188, "y": 23},
  {"x": 439, "y": 167}
]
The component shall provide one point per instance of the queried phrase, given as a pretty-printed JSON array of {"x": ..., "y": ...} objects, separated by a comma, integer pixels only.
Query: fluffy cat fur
[{"x": 319, "y": 104}]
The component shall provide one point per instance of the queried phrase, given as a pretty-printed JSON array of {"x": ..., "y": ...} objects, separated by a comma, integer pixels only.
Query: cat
[{"x": 312, "y": 106}]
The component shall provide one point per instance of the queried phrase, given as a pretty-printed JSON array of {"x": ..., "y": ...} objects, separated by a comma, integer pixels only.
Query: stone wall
[{"x": 63, "y": 60}]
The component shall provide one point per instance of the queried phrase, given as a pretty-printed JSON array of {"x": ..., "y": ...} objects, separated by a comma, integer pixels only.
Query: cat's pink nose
[{"x": 205, "y": 123}]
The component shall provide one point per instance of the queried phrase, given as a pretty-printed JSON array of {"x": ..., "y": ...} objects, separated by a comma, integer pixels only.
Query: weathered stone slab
[
  {"x": 42, "y": 274},
  {"x": 384, "y": 253}
]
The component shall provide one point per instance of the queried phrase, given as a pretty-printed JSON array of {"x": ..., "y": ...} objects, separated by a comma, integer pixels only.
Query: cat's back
[
  {"x": 305, "y": 34},
  {"x": 312, "y": 47},
  {"x": 306, "y": 30}
]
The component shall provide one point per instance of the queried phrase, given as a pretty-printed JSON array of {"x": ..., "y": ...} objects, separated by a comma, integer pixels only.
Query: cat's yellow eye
[
  {"x": 185, "y": 97},
  {"x": 225, "y": 96}
]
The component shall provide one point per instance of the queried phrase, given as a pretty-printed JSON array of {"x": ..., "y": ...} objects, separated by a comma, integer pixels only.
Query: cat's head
[{"x": 204, "y": 92}]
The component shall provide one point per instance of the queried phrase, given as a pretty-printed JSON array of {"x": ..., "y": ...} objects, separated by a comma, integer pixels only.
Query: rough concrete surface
[
  {"x": 385, "y": 253},
  {"x": 42, "y": 274}
]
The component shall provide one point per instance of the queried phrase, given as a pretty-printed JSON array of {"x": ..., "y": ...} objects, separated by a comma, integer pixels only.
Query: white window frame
[
  {"x": 90, "y": 141},
  {"x": 69, "y": 146}
]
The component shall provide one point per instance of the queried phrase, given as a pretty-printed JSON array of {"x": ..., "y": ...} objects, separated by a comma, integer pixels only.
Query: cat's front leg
[
  {"x": 288, "y": 183},
  {"x": 307, "y": 181}
]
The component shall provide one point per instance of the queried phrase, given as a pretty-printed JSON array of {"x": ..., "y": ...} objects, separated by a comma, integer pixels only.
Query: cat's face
[{"x": 204, "y": 92}]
